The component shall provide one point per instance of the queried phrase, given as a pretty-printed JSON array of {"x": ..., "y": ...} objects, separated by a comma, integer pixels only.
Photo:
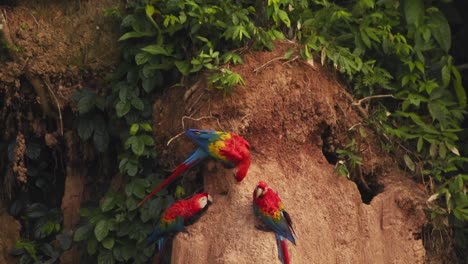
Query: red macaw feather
[
  {"x": 270, "y": 210},
  {"x": 229, "y": 148},
  {"x": 179, "y": 215}
]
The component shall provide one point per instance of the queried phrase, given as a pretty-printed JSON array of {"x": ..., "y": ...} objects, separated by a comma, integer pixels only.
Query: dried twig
[
  {"x": 291, "y": 60},
  {"x": 35, "y": 20},
  {"x": 355, "y": 125},
  {"x": 178, "y": 135},
  {"x": 198, "y": 119},
  {"x": 268, "y": 62},
  {"x": 359, "y": 102},
  {"x": 183, "y": 126}
]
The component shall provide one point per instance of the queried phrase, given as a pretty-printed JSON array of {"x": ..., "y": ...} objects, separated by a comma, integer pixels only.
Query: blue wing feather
[
  {"x": 280, "y": 227},
  {"x": 195, "y": 157},
  {"x": 161, "y": 231},
  {"x": 202, "y": 137}
]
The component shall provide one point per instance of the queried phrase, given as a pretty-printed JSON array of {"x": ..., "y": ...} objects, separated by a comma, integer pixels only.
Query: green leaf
[
  {"x": 146, "y": 127},
  {"x": 445, "y": 75},
  {"x": 92, "y": 246},
  {"x": 179, "y": 192},
  {"x": 417, "y": 119},
  {"x": 414, "y": 11},
  {"x": 149, "y": 84},
  {"x": 288, "y": 54},
  {"x": 442, "y": 150},
  {"x": 461, "y": 214},
  {"x": 152, "y": 209},
  {"x": 183, "y": 67},
  {"x": 36, "y": 210},
  {"x": 150, "y": 10},
  {"x": 137, "y": 187},
  {"x": 101, "y": 230},
  {"x": 132, "y": 169},
  {"x": 134, "y": 34},
  {"x": 82, "y": 233},
  {"x": 156, "y": 50},
  {"x": 108, "y": 204},
  {"x": 452, "y": 148},
  {"x": 131, "y": 203},
  {"x": 409, "y": 163},
  {"x": 148, "y": 140},
  {"x": 122, "y": 108},
  {"x": 459, "y": 90},
  {"x": 284, "y": 17},
  {"x": 86, "y": 103},
  {"x": 105, "y": 257},
  {"x": 440, "y": 29},
  {"x": 85, "y": 128},
  {"x": 108, "y": 243},
  {"x": 138, "y": 103},
  {"x": 134, "y": 129},
  {"x": 138, "y": 146},
  {"x": 433, "y": 150},
  {"x": 128, "y": 251},
  {"x": 142, "y": 58},
  {"x": 459, "y": 180},
  {"x": 420, "y": 144}
]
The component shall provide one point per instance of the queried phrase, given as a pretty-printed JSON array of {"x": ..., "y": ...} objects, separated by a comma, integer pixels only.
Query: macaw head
[
  {"x": 202, "y": 200},
  {"x": 242, "y": 168},
  {"x": 260, "y": 190}
]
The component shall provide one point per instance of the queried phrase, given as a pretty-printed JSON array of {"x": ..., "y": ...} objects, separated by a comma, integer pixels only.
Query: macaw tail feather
[
  {"x": 283, "y": 253},
  {"x": 161, "y": 243},
  {"x": 197, "y": 156},
  {"x": 157, "y": 259}
]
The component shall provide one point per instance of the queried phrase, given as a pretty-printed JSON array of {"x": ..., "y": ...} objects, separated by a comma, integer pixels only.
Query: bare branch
[{"x": 359, "y": 102}]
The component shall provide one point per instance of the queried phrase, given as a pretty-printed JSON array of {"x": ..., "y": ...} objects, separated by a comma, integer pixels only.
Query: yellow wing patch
[
  {"x": 215, "y": 147},
  {"x": 276, "y": 215},
  {"x": 165, "y": 223}
]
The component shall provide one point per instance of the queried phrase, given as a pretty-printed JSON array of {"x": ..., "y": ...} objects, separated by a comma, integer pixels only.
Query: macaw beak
[
  {"x": 210, "y": 199},
  {"x": 258, "y": 192}
]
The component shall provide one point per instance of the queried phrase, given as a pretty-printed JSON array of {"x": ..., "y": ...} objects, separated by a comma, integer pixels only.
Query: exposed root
[{"x": 57, "y": 103}]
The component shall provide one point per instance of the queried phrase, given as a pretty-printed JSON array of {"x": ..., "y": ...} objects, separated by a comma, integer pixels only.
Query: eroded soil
[{"x": 286, "y": 110}]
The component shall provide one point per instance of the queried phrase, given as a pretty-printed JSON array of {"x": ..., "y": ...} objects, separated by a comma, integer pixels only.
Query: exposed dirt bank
[{"x": 286, "y": 110}]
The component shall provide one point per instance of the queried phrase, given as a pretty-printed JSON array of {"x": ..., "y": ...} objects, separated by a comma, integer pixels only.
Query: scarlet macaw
[
  {"x": 177, "y": 216},
  {"x": 229, "y": 148},
  {"x": 270, "y": 210}
]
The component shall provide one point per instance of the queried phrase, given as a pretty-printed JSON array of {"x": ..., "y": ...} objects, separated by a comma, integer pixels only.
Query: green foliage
[
  {"x": 397, "y": 48},
  {"x": 91, "y": 123},
  {"x": 348, "y": 159},
  {"x": 42, "y": 226}
]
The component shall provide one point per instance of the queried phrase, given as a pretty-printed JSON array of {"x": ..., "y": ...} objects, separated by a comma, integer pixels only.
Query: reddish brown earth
[
  {"x": 284, "y": 110},
  {"x": 9, "y": 234}
]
